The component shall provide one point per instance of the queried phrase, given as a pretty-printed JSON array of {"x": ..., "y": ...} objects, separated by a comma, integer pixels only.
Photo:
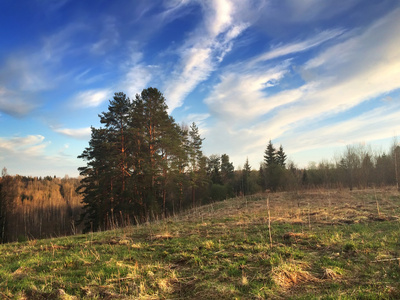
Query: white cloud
[
  {"x": 31, "y": 145},
  {"x": 199, "y": 119},
  {"x": 136, "y": 79},
  {"x": 109, "y": 37},
  {"x": 300, "y": 46},
  {"x": 196, "y": 67},
  {"x": 278, "y": 18},
  {"x": 137, "y": 74},
  {"x": 27, "y": 73},
  {"x": 204, "y": 50},
  {"x": 22, "y": 78},
  {"x": 311, "y": 10},
  {"x": 359, "y": 69},
  {"x": 15, "y": 103},
  {"x": 240, "y": 95},
  {"x": 59, "y": 45},
  {"x": 91, "y": 98},
  {"x": 29, "y": 155},
  {"x": 305, "y": 144},
  {"x": 219, "y": 16},
  {"x": 79, "y": 133},
  {"x": 173, "y": 10},
  {"x": 361, "y": 66},
  {"x": 243, "y": 91}
]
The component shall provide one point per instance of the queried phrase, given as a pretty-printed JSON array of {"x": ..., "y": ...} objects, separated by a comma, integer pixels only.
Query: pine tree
[
  {"x": 182, "y": 163},
  {"x": 137, "y": 181},
  {"x": 136, "y": 164},
  {"x": 116, "y": 121},
  {"x": 172, "y": 154},
  {"x": 96, "y": 184}
]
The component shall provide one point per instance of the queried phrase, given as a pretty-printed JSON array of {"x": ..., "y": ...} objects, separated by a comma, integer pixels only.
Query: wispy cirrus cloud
[
  {"x": 288, "y": 18},
  {"x": 241, "y": 96},
  {"x": 200, "y": 55},
  {"x": 109, "y": 37},
  {"x": 137, "y": 74},
  {"x": 24, "y": 73},
  {"x": 243, "y": 89},
  {"x": 200, "y": 119},
  {"x": 300, "y": 46},
  {"x": 352, "y": 69},
  {"x": 15, "y": 103},
  {"x": 27, "y": 73},
  {"x": 359, "y": 69},
  {"x": 23, "y": 77},
  {"x": 376, "y": 124},
  {"x": 309, "y": 10}
]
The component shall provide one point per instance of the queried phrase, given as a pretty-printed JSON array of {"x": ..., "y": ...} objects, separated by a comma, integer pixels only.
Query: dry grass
[
  {"x": 331, "y": 274},
  {"x": 292, "y": 273}
]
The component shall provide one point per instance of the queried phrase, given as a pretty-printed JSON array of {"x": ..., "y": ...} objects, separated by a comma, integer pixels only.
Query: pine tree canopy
[{"x": 136, "y": 162}]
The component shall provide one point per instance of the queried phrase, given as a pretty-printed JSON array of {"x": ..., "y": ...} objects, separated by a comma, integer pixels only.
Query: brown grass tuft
[
  {"x": 294, "y": 235},
  {"x": 330, "y": 274},
  {"x": 162, "y": 236},
  {"x": 291, "y": 274}
]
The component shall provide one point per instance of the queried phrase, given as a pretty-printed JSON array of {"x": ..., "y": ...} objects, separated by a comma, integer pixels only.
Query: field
[{"x": 321, "y": 244}]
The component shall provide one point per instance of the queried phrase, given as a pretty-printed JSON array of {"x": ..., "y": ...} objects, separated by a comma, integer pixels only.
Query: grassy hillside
[{"x": 325, "y": 244}]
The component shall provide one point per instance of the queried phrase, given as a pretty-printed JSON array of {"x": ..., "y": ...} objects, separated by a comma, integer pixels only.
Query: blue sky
[{"x": 312, "y": 75}]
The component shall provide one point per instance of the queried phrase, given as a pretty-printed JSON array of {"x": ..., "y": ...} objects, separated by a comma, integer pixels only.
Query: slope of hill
[{"x": 321, "y": 244}]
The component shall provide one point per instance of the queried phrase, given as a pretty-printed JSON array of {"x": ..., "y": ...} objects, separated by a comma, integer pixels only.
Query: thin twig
[{"x": 6, "y": 297}]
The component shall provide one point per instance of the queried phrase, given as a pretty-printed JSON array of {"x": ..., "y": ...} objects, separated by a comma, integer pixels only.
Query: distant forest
[
  {"x": 32, "y": 208},
  {"x": 141, "y": 165}
]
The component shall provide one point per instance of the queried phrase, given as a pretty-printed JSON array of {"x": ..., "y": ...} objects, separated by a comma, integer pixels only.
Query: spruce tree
[
  {"x": 246, "y": 177},
  {"x": 214, "y": 169},
  {"x": 227, "y": 169},
  {"x": 195, "y": 158},
  {"x": 227, "y": 174},
  {"x": 274, "y": 162},
  {"x": 281, "y": 157},
  {"x": 270, "y": 155}
]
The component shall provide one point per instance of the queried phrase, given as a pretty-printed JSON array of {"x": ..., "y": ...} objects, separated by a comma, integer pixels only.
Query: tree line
[
  {"x": 357, "y": 167},
  {"x": 141, "y": 165},
  {"x": 32, "y": 207}
]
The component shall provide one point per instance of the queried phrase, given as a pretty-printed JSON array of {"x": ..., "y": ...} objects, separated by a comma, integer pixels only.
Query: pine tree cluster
[{"x": 139, "y": 163}]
